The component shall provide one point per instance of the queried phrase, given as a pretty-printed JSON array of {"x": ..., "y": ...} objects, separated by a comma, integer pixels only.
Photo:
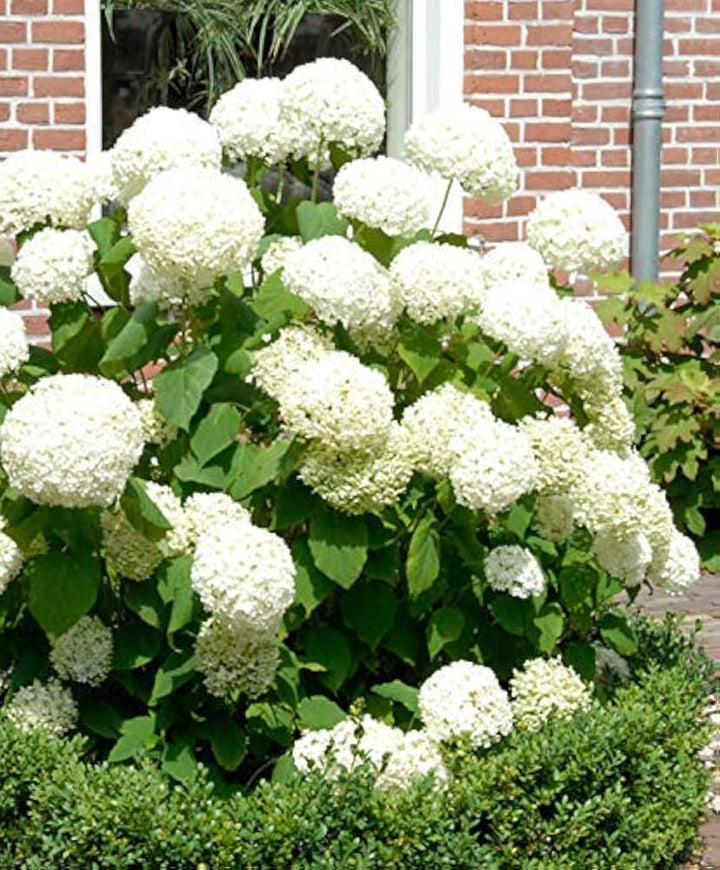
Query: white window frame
[{"x": 93, "y": 78}]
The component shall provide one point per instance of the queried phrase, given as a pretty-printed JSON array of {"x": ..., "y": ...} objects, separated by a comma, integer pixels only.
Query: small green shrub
[
  {"x": 619, "y": 786},
  {"x": 670, "y": 349}
]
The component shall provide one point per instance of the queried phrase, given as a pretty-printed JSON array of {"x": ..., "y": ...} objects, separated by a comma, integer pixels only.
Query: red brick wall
[
  {"x": 560, "y": 72},
  {"x": 42, "y": 75}
]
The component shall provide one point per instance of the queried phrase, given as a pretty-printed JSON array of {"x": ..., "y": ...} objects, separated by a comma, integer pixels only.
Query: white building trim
[{"x": 93, "y": 78}]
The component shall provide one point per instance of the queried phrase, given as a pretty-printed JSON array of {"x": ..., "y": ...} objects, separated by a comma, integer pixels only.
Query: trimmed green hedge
[{"x": 619, "y": 786}]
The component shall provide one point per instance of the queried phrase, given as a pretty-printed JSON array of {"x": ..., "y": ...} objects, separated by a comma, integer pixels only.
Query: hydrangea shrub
[{"x": 322, "y": 479}]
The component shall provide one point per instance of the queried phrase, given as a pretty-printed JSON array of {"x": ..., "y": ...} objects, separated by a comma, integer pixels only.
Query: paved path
[{"x": 703, "y": 604}]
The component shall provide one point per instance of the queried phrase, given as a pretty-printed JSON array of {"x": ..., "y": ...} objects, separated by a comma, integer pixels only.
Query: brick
[
  {"x": 699, "y": 46},
  {"x": 491, "y": 84},
  {"x": 36, "y": 324},
  {"x": 705, "y": 156},
  {"x": 548, "y": 83},
  {"x": 558, "y": 9},
  {"x": 63, "y": 32},
  {"x": 521, "y": 205},
  {"x": 615, "y": 68},
  {"x": 676, "y": 68},
  {"x": 29, "y": 7},
  {"x": 585, "y": 24},
  {"x": 678, "y": 25},
  {"x": 523, "y": 10},
  {"x": 585, "y": 69},
  {"x": 712, "y": 90},
  {"x": 4, "y": 112},
  {"x": 484, "y": 11},
  {"x": 524, "y": 59},
  {"x": 677, "y": 113},
  {"x": 556, "y": 58},
  {"x": 615, "y": 157},
  {"x": 556, "y": 179},
  {"x": 623, "y": 135},
  {"x": 703, "y": 198},
  {"x": 707, "y": 25},
  {"x": 601, "y": 45},
  {"x": 59, "y": 140},
  {"x": 549, "y": 34},
  {"x": 497, "y": 231},
  {"x": 69, "y": 113},
  {"x": 526, "y": 156},
  {"x": 30, "y": 58},
  {"x": 13, "y": 31},
  {"x": 33, "y": 113},
  {"x": 673, "y": 199},
  {"x": 675, "y": 155},
  {"x": 555, "y": 156},
  {"x": 57, "y": 86},
  {"x": 608, "y": 178},
  {"x": 548, "y": 132},
  {"x": 679, "y": 177},
  {"x": 554, "y": 108},
  {"x": 13, "y": 140},
  {"x": 477, "y": 208},
  {"x": 68, "y": 7},
  {"x": 615, "y": 24},
  {"x": 591, "y": 136},
  {"x": 584, "y": 114},
  {"x": 683, "y": 90},
  {"x": 617, "y": 199},
  {"x": 524, "y": 108},
  {"x": 3, "y": 58},
  {"x": 496, "y": 107},
  {"x": 68, "y": 59},
  {"x": 614, "y": 90},
  {"x": 685, "y": 6},
  {"x": 698, "y": 134},
  {"x": 615, "y": 114},
  {"x": 685, "y": 219},
  {"x": 11, "y": 86},
  {"x": 708, "y": 67},
  {"x": 610, "y": 5},
  {"x": 493, "y": 34}
]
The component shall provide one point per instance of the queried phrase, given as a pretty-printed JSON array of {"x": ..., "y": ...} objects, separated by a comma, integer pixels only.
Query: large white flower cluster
[
  {"x": 359, "y": 481},
  {"x": 84, "y": 652},
  {"x": 11, "y": 559},
  {"x": 384, "y": 193},
  {"x": 611, "y": 425},
  {"x": 339, "y": 401},
  {"x": 193, "y": 224},
  {"x": 466, "y": 144},
  {"x": 626, "y": 558},
  {"x": 273, "y": 260},
  {"x": 147, "y": 285},
  {"x": 14, "y": 349},
  {"x": 344, "y": 283},
  {"x": 71, "y": 441},
  {"x": 156, "y": 429},
  {"x": 247, "y": 119},
  {"x": 676, "y": 565},
  {"x": 331, "y": 102},
  {"x": 577, "y": 231},
  {"x": 546, "y": 688},
  {"x": 514, "y": 569},
  {"x": 436, "y": 420},
  {"x": 129, "y": 552},
  {"x": 41, "y": 186},
  {"x": 235, "y": 660},
  {"x": 465, "y": 700},
  {"x": 161, "y": 139},
  {"x": 560, "y": 449},
  {"x": 554, "y": 517},
  {"x": 438, "y": 281},
  {"x": 495, "y": 466},
  {"x": 206, "y": 510},
  {"x": 275, "y": 364},
  {"x": 54, "y": 265},
  {"x": 514, "y": 263},
  {"x": 244, "y": 575},
  {"x": 589, "y": 354},
  {"x": 397, "y": 758},
  {"x": 45, "y": 707}
]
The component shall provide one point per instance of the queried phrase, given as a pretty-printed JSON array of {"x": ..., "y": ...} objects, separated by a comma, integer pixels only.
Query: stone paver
[{"x": 702, "y": 604}]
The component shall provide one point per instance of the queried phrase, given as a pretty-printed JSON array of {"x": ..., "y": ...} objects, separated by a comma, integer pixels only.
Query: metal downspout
[{"x": 648, "y": 108}]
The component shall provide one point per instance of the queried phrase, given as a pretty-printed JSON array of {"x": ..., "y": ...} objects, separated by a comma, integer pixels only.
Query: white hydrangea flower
[
  {"x": 244, "y": 575},
  {"x": 676, "y": 566},
  {"x": 193, "y": 225},
  {"x": 71, "y": 441},
  {"x": 466, "y": 144},
  {"x": 275, "y": 364},
  {"x": 45, "y": 707},
  {"x": 54, "y": 265},
  {"x": 435, "y": 421},
  {"x": 339, "y": 401},
  {"x": 147, "y": 285},
  {"x": 101, "y": 177},
  {"x": 247, "y": 119},
  {"x": 438, "y": 281},
  {"x": 577, "y": 231},
  {"x": 546, "y": 688},
  {"x": 416, "y": 756},
  {"x": 14, "y": 349},
  {"x": 514, "y": 569},
  {"x": 625, "y": 558},
  {"x": 11, "y": 559},
  {"x": 330, "y": 101},
  {"x": 560, "y": 450},
  {"x": 527, "y": 318},
  {"x": 347, "y": 745},
  {"x": 360, "y": 481},
  {"x": 7, "y": 249},
  {"x": 589, "y": 354},
  {"x": 129, "y": 552},
  {"x": 465, "y": 700},
  {"x": 495, "y": 466},
  {"x": 156, "y": 429},
  {"x": 84, "y": 652},
  {"x": 235, "y": 660},
  {"x": 611, "y": 426},
  {"x": 514, "y": 263},
  {"x": 342, "y": 282},
  {"x": 554, "y": 517},
  {"x": 273, "y": 260},
  {"x": 43, "y": 186},
  {"x": 206, "y": 510},
  {"x": 384, "y": 193},
  {"x": 159, "y": 140}
]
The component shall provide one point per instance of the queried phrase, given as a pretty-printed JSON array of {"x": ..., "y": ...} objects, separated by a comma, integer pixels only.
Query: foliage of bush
[
  {"x": 618, "y": 786},
  {"x": 671, "y": 351}
]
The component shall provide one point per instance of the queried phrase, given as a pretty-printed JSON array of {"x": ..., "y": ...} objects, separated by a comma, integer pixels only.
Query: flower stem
[{"x": 443, "y": 207}]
